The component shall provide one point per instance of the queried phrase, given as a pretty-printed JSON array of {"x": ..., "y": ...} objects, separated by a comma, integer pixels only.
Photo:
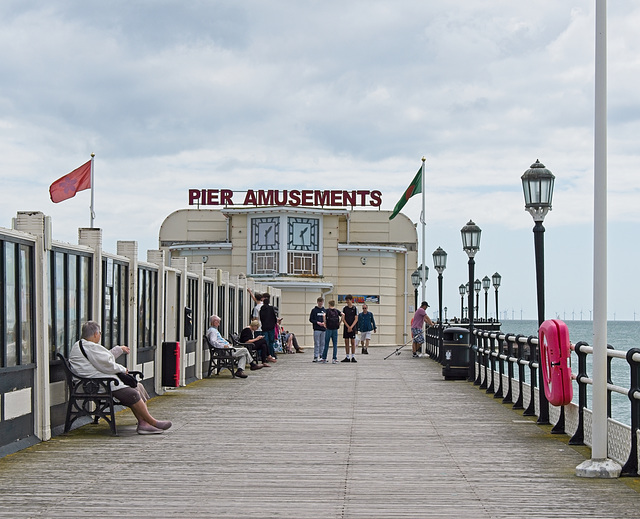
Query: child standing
[{"x": 366, "y": 325}]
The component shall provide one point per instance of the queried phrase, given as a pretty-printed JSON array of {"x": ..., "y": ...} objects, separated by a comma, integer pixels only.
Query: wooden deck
[{"x": 302, "y": 440}]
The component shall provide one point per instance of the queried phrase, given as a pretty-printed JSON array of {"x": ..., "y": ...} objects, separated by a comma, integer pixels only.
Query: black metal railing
[{"x": 498, "y": 354}]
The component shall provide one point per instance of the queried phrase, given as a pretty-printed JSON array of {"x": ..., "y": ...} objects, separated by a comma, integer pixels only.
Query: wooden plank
[{"x": 373, "y": 439}]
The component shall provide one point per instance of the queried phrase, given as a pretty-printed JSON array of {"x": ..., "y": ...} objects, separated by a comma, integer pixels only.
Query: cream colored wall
[{"x": 383, "y": 274}]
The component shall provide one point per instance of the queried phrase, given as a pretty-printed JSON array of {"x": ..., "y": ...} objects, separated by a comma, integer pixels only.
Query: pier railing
[{"x": 505, "y": 365}]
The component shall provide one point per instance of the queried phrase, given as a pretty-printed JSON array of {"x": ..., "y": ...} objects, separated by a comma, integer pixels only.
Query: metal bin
[{"x": 455, "y": 353}]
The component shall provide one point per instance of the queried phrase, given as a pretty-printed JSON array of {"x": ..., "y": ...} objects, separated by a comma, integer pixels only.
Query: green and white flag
[{"x": 414, "y": 188}]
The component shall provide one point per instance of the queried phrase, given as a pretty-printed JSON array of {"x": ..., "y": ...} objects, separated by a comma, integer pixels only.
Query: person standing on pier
[
  {"x": 350, "y": 320},
  {"x": 316, "y": 318},
  {"x": 332, "y": 318},
  {"x": 268, "y": 321},
  {"x": 366, "y": 325},
  {"x": 417, "y": 327}
]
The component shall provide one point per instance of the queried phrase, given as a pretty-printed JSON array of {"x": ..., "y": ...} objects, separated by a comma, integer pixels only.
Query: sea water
[{"x": 622, "y": 335}]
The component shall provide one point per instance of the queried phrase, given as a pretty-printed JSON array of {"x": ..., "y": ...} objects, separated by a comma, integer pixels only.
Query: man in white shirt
[{"x": 242, "y": 354}]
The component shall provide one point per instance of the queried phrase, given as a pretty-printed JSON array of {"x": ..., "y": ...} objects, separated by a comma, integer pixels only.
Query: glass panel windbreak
[
  {"x": 17, "y": 296},
  {"x": 232, "y": 309},
  {"x": 147, "y": 307},
  {"x": 209, "y": 302},
  {"x": 220, "y": 312},
  {"x": 193, "y": 303},
  {"x": 25, "y": 293},
  {"x": 70, "y": 288},
  {"x": 240, "y": 309},
  {"x": 11, "y": 337}
]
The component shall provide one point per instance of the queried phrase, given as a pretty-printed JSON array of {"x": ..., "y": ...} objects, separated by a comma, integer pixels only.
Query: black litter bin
[{"x": 455, "y": 353}]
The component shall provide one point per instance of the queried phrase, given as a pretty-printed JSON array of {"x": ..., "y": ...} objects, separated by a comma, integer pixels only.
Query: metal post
[
  {"x": 538, "y": 239},
  {"x": 472, "y": 340}
]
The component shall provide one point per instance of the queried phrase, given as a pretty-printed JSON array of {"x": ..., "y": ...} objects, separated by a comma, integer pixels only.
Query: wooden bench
[
  {"x": 251, "y": 346},
  {"x": 221, "y": 358},
  {"x": 91, "y": 397}
]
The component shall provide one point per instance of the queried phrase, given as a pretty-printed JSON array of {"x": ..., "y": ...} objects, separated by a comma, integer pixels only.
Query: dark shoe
[
  {"x": 362, "y": 351},
  {"x": 241, "y": 374},
  {"x": 365, "y": 351},
  {"x": 346, "y": 359},
  {"x": 266, "y": 366},
  {"x": 353, "y": 359},
  {"x": 255, "y": 367}
]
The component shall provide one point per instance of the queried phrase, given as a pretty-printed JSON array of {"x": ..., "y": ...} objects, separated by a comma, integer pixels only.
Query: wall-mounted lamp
[
  {"x": 205, "y": 259},
  {"x": 363, "y": 260}
]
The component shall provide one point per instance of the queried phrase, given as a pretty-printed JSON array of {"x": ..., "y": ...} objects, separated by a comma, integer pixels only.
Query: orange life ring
[{"x": 555, "y": 350}]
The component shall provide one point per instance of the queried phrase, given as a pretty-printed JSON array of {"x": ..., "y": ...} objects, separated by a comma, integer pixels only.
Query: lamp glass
[
  {"x": 440, "y": 259},
  {"x": 470, "y": 237},
  {"x": 486, "y": 283},
  {"x": 477, "y": 285},
  {"x": 462, "y": 289},
  {"x": 496, "y": 278},
  {"x": 537, "y": 185},
  {"x": 415, "y": 279}
]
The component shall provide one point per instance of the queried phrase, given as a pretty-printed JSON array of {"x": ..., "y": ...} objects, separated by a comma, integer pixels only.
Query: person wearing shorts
[
  {"x": 366, "y": 325},
  {"x": 350, "y": 320},
  {"x": 417, "y": 325}
]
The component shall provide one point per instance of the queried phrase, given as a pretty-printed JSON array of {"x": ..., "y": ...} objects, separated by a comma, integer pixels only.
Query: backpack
[{"x": 333, "y": 319}]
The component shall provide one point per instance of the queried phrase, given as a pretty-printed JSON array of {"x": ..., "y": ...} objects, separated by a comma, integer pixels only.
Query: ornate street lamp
[
  {"x": 471, "y": 245},
  {"x": 486, "y": 284},
  {"x": 440, "y": 263},
  {"x": 537, "y": 184},
  {"x": 463, "y": 290},
  {"x": 477, "y": 285},
  {"x": 415, "y": 281},
  {"x": 495, "y": 279}
]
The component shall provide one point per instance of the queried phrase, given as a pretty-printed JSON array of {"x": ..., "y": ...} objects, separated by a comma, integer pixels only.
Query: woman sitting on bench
[{"x": 95, "y": 361}]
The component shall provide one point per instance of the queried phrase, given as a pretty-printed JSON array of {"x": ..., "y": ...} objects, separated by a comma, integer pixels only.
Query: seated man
[
  {"x": 242, "y": 354},
  {"x": 249, "y": 336},
  {"x": 95, "y": 361}
]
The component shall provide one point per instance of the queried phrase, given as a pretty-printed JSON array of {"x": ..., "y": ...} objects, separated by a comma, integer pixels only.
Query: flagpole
[
  {"x": 91, "y": 209},
  {"x": 424, "y": 233}
]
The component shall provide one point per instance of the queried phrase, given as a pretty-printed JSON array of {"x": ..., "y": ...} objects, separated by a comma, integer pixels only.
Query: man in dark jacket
[
  {"x": 268, "y": 319},
  {"x": 319, "y": 328}
]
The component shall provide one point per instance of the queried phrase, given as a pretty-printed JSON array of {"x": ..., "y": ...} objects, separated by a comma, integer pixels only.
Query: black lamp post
[
  {"x": 445, "y": 313},
  {"x": 495, "y": 279},
  {"x": 471, "y": 245},
  {"x": 415, "y": 281},
  {"x": 486, "y": 283},
  {"x": 440, "y": 263},
  {"x": 477, "y": 285},
  {"x": 537, "y": 184},
  {"x": 463, "y": 290}
]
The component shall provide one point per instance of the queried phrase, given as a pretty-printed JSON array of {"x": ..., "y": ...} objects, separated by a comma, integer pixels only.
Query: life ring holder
[{"x": 555, "y": 352}]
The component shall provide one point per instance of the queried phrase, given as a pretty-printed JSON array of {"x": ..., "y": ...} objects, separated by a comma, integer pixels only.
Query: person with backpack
[
  {"x": 350, "y": 320},
  {"x": 332, "y": 317}
]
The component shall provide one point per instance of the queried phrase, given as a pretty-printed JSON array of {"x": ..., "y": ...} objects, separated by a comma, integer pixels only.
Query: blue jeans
[
  {"x": 330, "y": 334},
  {"x": 270, "y": 337}
]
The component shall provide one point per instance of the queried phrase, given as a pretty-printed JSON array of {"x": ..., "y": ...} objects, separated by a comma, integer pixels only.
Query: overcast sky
[{"x": 237, "y": 94}]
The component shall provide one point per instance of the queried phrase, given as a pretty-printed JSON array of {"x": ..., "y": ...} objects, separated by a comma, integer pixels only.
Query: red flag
[{"x": 67, "y": 186}]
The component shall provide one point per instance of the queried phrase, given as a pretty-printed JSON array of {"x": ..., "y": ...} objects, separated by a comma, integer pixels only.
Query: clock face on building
[
  {"x": 303, "y": 234},
  {"x": 265, "y": 233}
]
